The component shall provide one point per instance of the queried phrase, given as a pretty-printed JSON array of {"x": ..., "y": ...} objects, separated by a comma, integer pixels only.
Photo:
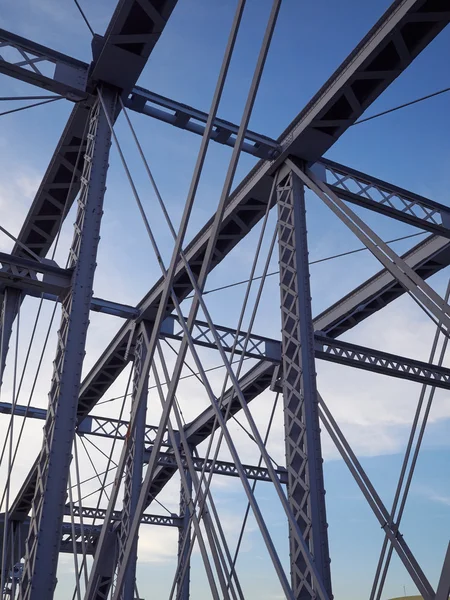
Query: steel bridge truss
[{"x": 44, "y": 519}]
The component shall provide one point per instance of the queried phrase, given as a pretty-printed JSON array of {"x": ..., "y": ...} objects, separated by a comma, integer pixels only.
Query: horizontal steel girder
[
  {"x": 53, "y": 71},
  {"x": 220, "y": 467},
  {"x": 377, "y": 195},
  {"x": 88, "y": 512},
  {"x": 115, "y": 429},
  {"x": 349, "y": 184},
  {"x": 193, "y": 120},
  {"x": 376, "y": 361},
  {"x": 326, "y": 348}
]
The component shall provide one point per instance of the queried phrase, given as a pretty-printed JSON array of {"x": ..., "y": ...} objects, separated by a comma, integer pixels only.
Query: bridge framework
[{"x": 34, "y": 531}]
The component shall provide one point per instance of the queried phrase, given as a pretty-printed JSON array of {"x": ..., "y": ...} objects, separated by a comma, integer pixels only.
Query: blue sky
[{"x": 408, "y": 148}]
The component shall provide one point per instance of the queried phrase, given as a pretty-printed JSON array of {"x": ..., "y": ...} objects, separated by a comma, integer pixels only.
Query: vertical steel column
[
  {"x": 44, "y": 537},
  {"x": 183, "y": 586},
  {"x": 303, "y": 450},
  {"x": 10, "y": 306},
  {"x": 134, "y": 462}
]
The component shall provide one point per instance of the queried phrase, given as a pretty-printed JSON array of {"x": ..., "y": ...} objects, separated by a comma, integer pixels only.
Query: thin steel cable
[
  {"x": 30, "y": 344},
  {"x": 390, "y": 110},
  {"x": 403, "y": 473},
  {"x": 108, "y": 467},
  {"x": 152, "y": 387},
  {"x": 429, "y": 314},
  {"x": 195, "y": 520},
  {"x": 162, "y": 505},
  {"x": 210, "y": 441},
  {"x": 100, "y": 489},
  {"x": 85, "y": 19},
  {"x": 192, "y": 190},
  {"x": 101, "y": 451},
  {"x": 247, "y": 510},
  {"x": 208, "y": 520},
  {"x": 88, "y": 479},
  {"x": 74, "y": 543},
  {"x": 14, "y": 110},
  {"x": 83, "y": 540},
  {"x": 97, "y": 474},
  {"x": 10, "y": 454},
  {"x": 32, "y": 390},
  {"x": 313, "y": 262},
  {"x": 196, "y": 375},
  {"x": 372, "y": 498}
]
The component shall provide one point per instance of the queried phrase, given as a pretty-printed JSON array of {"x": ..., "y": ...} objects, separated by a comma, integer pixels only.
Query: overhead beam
[
  {"x": 377, "y": 361},
  {"x": 41, "y": 66},
  {"x": 252, "y": 345},
  {"x": 387, "y": 199},
  {"x": 87, "y": 512},
  {"x": 191, "y": 119},
  {"x": 219, "y": 467}
]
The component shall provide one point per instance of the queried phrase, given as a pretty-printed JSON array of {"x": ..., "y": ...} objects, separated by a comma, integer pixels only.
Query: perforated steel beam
[
  {"x": 387, "y": 199},
  {"x": 41, "y": 556},
  {"x": 377, "y": 361},
  {"x": 90, "y": 512},
  {"x": 306, "y": 491}
]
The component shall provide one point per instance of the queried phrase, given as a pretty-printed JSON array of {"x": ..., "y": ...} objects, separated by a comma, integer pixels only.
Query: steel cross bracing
[
  {"x": 406, "y": 28},
  {"x": 301, "y": 419}
]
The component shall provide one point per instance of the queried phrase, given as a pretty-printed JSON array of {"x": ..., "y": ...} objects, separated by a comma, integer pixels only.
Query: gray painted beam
[
  {"x": 88, "y": 512},
  {"x": 377, "y": 361},
  {"x": 38, "y": 65},
  {"x": 391, "y": 200},
  {"x": 185, "y": 117},
  {"x": 44, "y": 536}
]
